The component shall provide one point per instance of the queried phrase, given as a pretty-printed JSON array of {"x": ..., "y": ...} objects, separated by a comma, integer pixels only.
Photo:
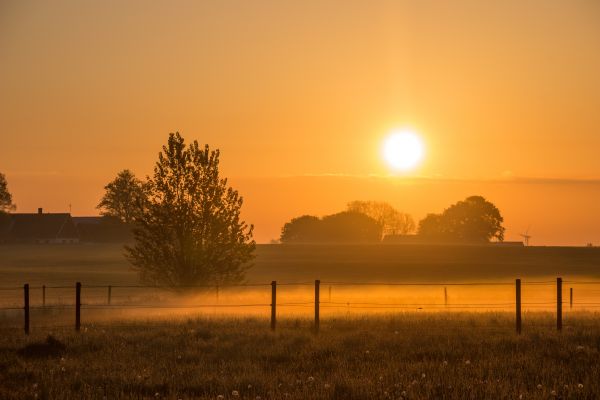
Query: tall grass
[{"x": 405, "y": 355}]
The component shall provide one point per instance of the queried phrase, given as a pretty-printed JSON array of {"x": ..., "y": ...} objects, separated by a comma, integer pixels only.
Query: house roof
[{"x": 42, "y": 226}]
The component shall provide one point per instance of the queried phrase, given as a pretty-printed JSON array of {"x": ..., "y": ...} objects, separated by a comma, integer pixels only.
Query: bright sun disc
[{"x": 403, "y": 150}]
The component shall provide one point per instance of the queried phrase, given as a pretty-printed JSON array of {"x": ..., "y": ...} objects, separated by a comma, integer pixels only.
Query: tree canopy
[
  {"x": 472, "y": 220},
  {"x": 392, "y": 221},
  {"x": 124, "y": 197},
  {"x": 189, "y": 231},
  {"x": 343, "y": 227},
  {"x": 6, "y": 204}
]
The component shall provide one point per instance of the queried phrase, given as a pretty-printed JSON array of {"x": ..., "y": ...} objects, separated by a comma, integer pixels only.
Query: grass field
[
  {"x": 365, "y": 349},
  {"x": 105, "y": 264},
  {"x": 404, "y": 356}
]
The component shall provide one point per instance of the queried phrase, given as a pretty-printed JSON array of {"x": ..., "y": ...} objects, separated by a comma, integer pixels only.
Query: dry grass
[{"x": 413, "y": 356}]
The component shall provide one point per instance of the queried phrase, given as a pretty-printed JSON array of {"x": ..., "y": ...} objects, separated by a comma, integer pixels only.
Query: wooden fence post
[
  {"x": 43, "y": 295},
  {"x": 445, "y": 296},
  {"x": 518, "y": 305},
  {"x": 571, "y": 298},
  {"x": 317, "y": 301},
  {"x": 26, "y": 306},
  {"x": 559, "y": 304},
  {"x": 273, "y": 305},
  {"x": 77, "y": 306},
  {"x": 109, "y": 294}
]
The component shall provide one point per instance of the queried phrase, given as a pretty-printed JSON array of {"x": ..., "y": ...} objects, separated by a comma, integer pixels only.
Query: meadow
[
  {"x": 106, "y": 264},
  {"x": 425, "y": 349},
  {"x": 400, "y": 356}
]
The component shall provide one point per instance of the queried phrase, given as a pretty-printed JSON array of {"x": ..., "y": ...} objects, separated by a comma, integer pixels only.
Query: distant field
[
  {"x": 105, "y": 264},
  {"x": 405, "y": 356}
]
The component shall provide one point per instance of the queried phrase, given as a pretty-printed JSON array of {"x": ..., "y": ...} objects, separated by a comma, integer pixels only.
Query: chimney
[{"x": 40, "y": 210}]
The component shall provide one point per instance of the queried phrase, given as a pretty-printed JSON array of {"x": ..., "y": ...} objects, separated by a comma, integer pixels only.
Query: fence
[{"x": 317, "y": 302}]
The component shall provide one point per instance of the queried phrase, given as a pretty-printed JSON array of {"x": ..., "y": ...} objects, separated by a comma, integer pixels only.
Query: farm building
[
  {"x": 39, "y": 228},
  {"x": 61, "y": 228}
]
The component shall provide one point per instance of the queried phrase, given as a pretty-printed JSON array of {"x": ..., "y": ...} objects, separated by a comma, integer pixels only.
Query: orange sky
[{"x": 299, "y": 95}]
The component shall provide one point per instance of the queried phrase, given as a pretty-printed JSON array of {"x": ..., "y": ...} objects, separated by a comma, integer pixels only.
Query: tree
[
  {"x": 190, "y": 232},
  {"x": 343, "y": 227},
  {"x": 350, "y": 226},
  {"x": 124, "y": 197},
  {"x": 472, "y": 220},
  {"x": 302, "y": 230},
  {"x": 6, "y": 204},
  {"x": 392, "y": 221}
]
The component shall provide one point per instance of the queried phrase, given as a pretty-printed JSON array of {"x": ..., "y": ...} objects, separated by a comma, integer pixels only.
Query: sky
[{"x": 299, "y": 97}]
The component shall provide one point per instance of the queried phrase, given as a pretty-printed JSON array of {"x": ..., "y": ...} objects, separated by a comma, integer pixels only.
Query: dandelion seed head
[
  {"x": 580, "y": 385},
  {"x": 423, "y": 376},
  {"x": 235, "y": 393},
  {"x": 310, "y": 379}
]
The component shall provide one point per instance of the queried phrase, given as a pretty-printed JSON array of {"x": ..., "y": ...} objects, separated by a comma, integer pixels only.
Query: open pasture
[
  {"x": 400, "y": 356},
  {"x": 105, "y": 264}
]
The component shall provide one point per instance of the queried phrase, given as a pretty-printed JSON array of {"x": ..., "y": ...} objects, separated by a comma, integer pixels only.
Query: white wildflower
[
  {"x": 235, "y": 393},
  {"x": 580, "y": 385},
  {"x": 468, "y": 362},
  {"x": 423, "y": 376},
  {"x": 310, "y": 379},
  {"x": 539, "y": 386}
]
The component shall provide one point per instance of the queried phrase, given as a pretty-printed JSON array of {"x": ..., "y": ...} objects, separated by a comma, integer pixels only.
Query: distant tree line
[{"x": 473, "y": 220}]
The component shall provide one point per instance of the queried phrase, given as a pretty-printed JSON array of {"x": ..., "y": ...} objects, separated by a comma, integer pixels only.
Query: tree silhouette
[
  {"x": 472, "y": 220},
  {"x": 6, "y": 204},
  {"x": 302, "y": 230},
  {"x": 392, "y": 221},
  {"x": 124, "y": 197},
  {"x": 343, "y": 227},
  {"x": 190, "y": 231}
]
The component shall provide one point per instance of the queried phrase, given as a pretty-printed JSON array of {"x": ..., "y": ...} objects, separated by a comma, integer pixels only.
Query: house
[{"x": 39, "y": 228}]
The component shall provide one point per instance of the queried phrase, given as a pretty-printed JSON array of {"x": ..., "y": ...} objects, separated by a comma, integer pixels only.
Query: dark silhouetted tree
[
  {"x": 124, "y": 198},
  {"x": 350, "y": 226},
  {"x": 190, "y": 231},
  {"x": 6, "y": 204},
  {"x": 392, "y": 221},
  {"x": 302, "y": 230},
  {"x": 343, "y": 227},
  {"x": 472, "y": 220}
]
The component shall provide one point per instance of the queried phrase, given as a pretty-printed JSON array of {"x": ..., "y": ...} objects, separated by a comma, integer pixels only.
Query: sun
[{"x": 403, "y": 150}]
